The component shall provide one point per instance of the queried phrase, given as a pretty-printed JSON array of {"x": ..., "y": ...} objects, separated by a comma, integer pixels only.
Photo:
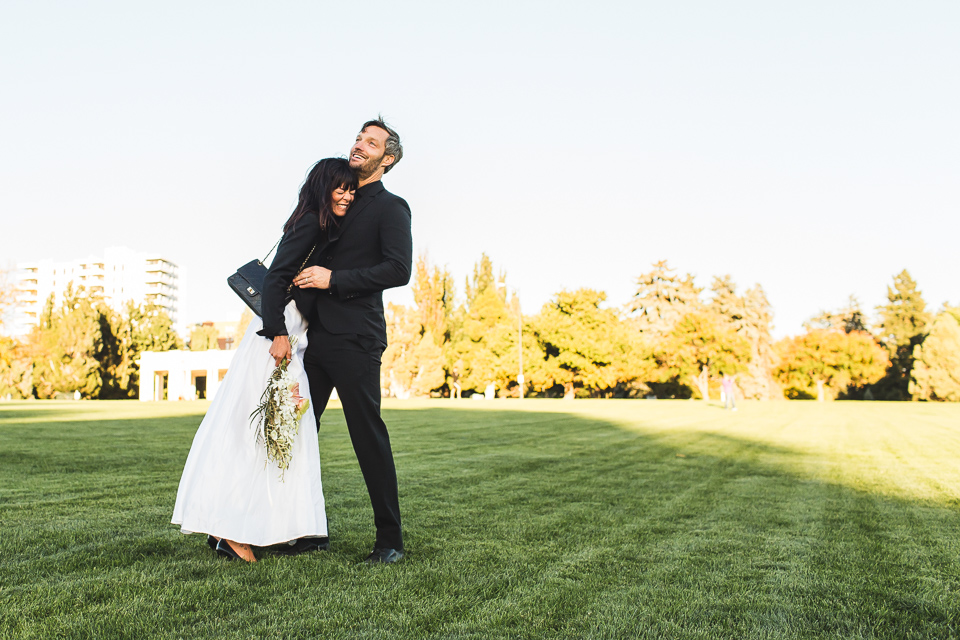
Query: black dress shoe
[
  {"x": 304, "y": 545},
  {"x": 224, "y": 550},
  {"x": 384, "y": 556},
  {"x": 212, "y": 542}
]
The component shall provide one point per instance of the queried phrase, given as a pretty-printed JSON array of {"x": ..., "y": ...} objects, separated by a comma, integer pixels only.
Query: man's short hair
[{"x": 393, "y": 146}]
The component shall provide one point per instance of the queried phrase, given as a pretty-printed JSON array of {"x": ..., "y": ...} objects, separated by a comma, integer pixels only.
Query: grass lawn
[{"x": 523, "y": 519}]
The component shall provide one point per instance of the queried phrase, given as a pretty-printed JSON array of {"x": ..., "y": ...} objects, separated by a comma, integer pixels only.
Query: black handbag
[{"x": 247, "y": 282}]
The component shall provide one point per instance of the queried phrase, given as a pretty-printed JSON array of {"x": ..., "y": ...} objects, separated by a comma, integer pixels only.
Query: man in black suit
[{"x": 341, "y": 294}]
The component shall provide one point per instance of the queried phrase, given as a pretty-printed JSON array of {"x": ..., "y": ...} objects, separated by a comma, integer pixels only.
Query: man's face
[{"x": 367, "y": 153}]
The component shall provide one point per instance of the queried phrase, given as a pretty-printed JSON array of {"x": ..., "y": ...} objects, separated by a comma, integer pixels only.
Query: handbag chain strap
[
  {"x": 264, "y": 261},
  {"x": 290, "y": 286}
]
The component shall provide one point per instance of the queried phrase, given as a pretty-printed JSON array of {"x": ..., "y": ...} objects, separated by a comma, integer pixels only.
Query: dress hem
[{"x": 306, "y": 534}]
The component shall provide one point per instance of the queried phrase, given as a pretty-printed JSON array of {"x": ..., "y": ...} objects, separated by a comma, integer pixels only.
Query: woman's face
[{"x": 340, "y": 200}]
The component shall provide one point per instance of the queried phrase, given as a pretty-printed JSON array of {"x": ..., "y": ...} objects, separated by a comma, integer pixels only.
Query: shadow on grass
[{"x": 518, "y": 524}]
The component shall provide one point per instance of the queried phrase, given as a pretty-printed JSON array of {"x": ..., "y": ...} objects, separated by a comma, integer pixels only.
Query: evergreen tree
[
  {"x": 413, "y": 363},
  {"x": 67, "y": 346},
  {"x": 46, "y": 316},
  {"x": 483, "y": 278},
  {"x": 484, "y": 334},
  {"x": 433, "y": 292},
  {"x": 116, "y": 367},
  {"x": 903, "y": 325},
  {"x": 662, "y": 298},
  {"x": 751, "y": 316},
  {"x": 936, "y": 362},
  {"x": 403, "y": 333},
  {"x": 428, "y": 370},
  {"x": 127, "y": 335},
  {"x": 847, "y": 319},
  {"x": 420, "y": 359},
  {"x": 84, "y": 345}
]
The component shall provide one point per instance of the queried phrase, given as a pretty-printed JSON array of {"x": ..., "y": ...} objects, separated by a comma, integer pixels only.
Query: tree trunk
[
  {"x": 568, "y": 393},
  {"x": 702, "y": 382},
  {"x": 820, "y": 396}
]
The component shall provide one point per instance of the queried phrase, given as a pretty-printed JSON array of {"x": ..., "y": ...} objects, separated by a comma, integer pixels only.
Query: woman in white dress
[{"x": 228, "y": 489}]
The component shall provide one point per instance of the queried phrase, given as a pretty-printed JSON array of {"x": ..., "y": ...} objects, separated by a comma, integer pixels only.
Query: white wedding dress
[{"x": 228, "y": 489}]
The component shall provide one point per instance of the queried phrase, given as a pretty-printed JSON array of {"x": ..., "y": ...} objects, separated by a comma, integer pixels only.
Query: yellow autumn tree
[{"x": 936, "y": 362}]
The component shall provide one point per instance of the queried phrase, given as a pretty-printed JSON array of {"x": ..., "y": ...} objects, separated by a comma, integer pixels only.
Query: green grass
[{"x": 532, "y": 519}]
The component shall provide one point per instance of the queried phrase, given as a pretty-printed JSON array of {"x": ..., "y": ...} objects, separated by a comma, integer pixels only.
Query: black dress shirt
[{"x": 369, "y": 251}]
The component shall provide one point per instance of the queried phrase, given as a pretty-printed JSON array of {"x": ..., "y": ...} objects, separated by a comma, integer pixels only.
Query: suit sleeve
[
  {"x": 294, "y": 247},
  {"x": 396, "y": 247}
]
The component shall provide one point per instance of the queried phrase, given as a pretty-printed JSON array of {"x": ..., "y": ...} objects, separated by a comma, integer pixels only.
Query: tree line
[
  {"x": 672, "y": 339},
  {"x": 83, "y": 345}
]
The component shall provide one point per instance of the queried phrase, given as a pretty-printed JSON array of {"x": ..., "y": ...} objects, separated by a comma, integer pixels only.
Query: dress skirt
[{"x": 228, "y": 488}]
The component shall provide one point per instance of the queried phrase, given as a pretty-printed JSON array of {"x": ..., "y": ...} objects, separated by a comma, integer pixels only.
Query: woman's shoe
[
  {"x": 235, "y": 550},
  {"x": 212, "y": 542},
  {"x": 224, "y": 550}
]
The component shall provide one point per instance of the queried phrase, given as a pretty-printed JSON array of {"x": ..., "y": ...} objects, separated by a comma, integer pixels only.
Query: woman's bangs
[{"x": 347, "y": 177}]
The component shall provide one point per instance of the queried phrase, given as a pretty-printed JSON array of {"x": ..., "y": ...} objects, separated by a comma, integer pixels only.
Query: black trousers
[{"x": 351, "y": 363}]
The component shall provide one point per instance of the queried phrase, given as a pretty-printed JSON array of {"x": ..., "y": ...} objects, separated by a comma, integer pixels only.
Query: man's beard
[{"x": 369, "y": 167}]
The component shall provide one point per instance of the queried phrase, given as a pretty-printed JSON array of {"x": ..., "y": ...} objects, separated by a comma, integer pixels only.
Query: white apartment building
[{"x": 121, "y": 274}]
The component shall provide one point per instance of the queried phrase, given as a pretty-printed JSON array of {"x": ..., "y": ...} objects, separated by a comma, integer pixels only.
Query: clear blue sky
[{"x": 813, "y": 147}]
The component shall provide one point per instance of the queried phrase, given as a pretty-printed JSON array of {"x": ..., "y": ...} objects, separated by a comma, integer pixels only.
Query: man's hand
[
  {"x": 313, "y": 278},
  {"x": 280, "y": 349}
]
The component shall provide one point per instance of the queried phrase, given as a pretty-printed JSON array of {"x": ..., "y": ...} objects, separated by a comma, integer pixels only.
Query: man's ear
[{"x": 387, "y": 161}]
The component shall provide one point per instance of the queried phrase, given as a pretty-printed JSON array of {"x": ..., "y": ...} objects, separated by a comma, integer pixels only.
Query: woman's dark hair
[{"x": 326, "y": 176}]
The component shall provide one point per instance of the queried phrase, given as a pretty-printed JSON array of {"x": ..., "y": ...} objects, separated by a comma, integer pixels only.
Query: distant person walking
[{"x": 729, "y": 392}]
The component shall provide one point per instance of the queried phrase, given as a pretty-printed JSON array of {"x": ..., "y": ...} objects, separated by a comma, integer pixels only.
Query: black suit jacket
[{"x": 369, "y": 251}]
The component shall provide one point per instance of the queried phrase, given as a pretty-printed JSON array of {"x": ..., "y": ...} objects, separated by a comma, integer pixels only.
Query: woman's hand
[
  {"x": 313, "y": 278},
  {"x": 280, "y": 349}
]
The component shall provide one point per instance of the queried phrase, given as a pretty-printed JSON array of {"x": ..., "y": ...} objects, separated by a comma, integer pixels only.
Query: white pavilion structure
[{"x": 183, "y": 375}]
